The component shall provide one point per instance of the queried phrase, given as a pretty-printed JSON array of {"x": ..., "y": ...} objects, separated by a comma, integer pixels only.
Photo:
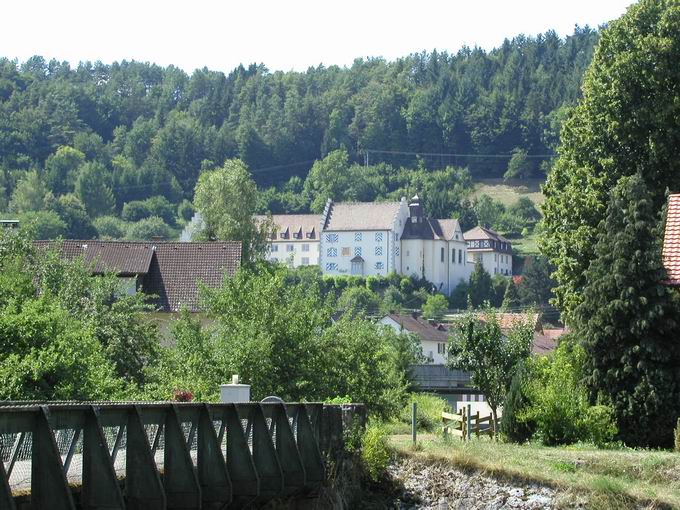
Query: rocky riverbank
[{"x": 440, "y": 487}]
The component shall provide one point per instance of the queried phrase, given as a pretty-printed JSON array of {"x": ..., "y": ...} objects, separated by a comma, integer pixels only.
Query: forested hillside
[{"x": 80, "y": 143}]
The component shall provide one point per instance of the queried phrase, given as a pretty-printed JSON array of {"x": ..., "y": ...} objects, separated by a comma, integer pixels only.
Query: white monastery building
[
  {"x": 362, "y": 238},
  {"x": 434, "y": 249},
  {"x": 490, "y": 249},
  {"x": 294, "y": 240}
]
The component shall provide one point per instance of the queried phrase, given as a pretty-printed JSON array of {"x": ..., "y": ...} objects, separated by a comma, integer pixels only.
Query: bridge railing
[{"x": 164, "y": 455}]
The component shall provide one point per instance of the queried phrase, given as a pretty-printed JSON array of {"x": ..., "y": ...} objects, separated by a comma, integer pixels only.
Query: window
[
  {"x": 442, "y": 255},
  {"x": 460, "y": 256},
  {"x": 305, "y": 247},
  {"x": 495, "y": 270},
  {"x": 332, "y": 252},
  {"x": 331, "y": 266},
  {"x": 345, "y": 251},
  {"x": 408, "y": 253},
  {"x": 453, "y": 256},
  {"x": 305, "y": 261},
  {"x": 332, "y": 238},
  {"x": 396, "y": 237},
  {"x": 357, "y": 251},
  {"x": 275, "y": 248},
  {"x": 378, "y": 251},
  {"x": 379, "y": 265},
  {"x": 357, "y": 236},
  {"x": 290, "y": 247},
  {"x": 495, "y": 257},
  {"x": 396, "y": 251},
  {"x": 441, "y": 348},
  {"x": 378, "y": 237}
]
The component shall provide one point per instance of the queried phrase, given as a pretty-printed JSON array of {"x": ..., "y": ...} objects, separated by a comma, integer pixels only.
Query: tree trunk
[{"x": 494, "y": 416}]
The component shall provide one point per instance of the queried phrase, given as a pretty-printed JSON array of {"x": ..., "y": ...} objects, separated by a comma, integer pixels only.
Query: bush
[
  {"x": 515, "y": 428},
  {"x": 677, "y": 436},
  {"x": 559, "y": 402},
  {"x": 135, "y": 210},
  {"x": 375, "y": 451},
  {"x": 110, "y": 227},
  {"x": 148, "y": 228},
  {"x": 428, "y": 413},
  {"x": 435, "y": 307}
]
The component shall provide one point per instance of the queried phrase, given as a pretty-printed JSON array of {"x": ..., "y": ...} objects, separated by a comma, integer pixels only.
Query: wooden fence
[{"x": 466, "y": 423}]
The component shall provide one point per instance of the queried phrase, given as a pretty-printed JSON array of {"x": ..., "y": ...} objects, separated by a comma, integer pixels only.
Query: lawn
[
  {"x": 509, "y": 192},
  {"x": 616, "y": 478}
]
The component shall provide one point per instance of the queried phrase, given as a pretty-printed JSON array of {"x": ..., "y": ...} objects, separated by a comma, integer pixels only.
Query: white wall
[
  {"x": 294, "y": 253},
  {"x": 435, "y": 351},
  {"x": 339, "y": 248},
  {"x": 494, "y": 262},
  {"x": 423, "y": 258}
]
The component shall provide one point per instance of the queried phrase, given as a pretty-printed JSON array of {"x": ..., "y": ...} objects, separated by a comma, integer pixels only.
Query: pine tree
[
  {"x": 511, "y": 296},
  {"x": 481, "y": 287},
  {"x": 628, "y": 321}
]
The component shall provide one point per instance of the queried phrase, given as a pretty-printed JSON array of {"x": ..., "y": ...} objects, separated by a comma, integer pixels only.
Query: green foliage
[
  {"x": 110, "y": 227},
  {"x": 185, "y": 211},
  {"x": 61, "y": 169},
  {"x": 480, "y": 289},
  {"x": 478, "y": 346},
  {"x": 626, "y": 320},
  {"x": 429, "y": 410},
  {"x": 375, "y": 451},
  {"x": 226, "y": 199},
  {"x": 43, "y": 224},
  {"x": 626, "y": 123},
  {"x": 94, "y": 191},
  {"x": 29, "y": 194},
  {"x": 677, "y": 436},
  {"x": 518, "y": 166},
  {"x": 559, "y": 404},
  {"x": 73, "y": 213},
  {"x": 435, "y": 307},
  {"x": 358, "y": 301},
  {"x": 511, "y": 299},
  {"x": 515, "y": 425},
  {"x": 148, "y": 228},
  {"x": 537, "y": 284}
]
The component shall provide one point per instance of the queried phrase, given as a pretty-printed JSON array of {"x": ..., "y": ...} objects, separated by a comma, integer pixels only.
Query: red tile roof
[
  {"x": 507, "y": 320},
  {"x": 171, "y": 271},
  {"x": 671, "y": 241},
  {"x": 546, "y": 341},
  {"x": 350, "y": 216}
]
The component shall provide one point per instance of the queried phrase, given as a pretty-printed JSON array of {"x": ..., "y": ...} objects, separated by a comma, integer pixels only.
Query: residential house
[
  {"x": 490, "y": 249},
  {"x": 433, "y": 336},
  {"x": 434, "y": 249},
  {"x": 671, "y": 242},
  {"x": 294, "y": 239},
  {"x": 169, "y": 272},
  {"x": 361, "y": 238}
]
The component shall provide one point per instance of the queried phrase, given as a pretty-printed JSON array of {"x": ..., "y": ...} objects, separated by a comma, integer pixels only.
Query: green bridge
[{"x": 154, "y": 456}]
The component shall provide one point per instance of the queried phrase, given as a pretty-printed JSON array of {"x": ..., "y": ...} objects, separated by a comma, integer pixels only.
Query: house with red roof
[{"x": 671, "y": 241}]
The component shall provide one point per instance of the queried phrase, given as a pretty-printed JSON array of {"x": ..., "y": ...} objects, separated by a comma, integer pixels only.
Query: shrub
[
  {"x": 375, "y": 451},
  {"x": 110, "y": 227},
  {"x": 373, "y": 283},
  {"x": 677, "y": 436},
  {"x": 514, "y": 426},
  {"x": 435, "y": 307},
  {"x": 559, "y": 402},
  {"x": 428, "y": 413}
]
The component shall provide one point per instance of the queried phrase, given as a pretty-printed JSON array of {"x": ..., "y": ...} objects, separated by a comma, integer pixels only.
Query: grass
[
  {"x": 616, "y": 478},
  {"x": 525, "y": 245},
  {"x": 509, "y": 192}
]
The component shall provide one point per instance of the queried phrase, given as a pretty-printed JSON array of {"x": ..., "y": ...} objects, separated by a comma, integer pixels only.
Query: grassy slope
[
  {"x": 509, "y": 192},
  {"x": 607, "y": 478}
]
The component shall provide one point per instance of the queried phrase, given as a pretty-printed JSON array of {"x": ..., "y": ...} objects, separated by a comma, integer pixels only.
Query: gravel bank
[{"x": 442, "y": 487}]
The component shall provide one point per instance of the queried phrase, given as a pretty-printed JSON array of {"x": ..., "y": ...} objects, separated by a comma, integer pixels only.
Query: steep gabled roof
[
  {"x": 287, "y": 224},
  {"x": 480, "y": 232},
  {"x": 443, "y": 229},
  {"x": 361, "y": 216},
  {"x": 671, "y": 241},
  {"x": 178, "y": 269},
  {"x": 415, "y": 324},
  {"x": 119, "y": 257},
  {"x": 172, "y": 271}
]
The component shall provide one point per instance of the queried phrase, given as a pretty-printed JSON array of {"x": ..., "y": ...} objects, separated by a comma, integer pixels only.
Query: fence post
[
  {"x": 413, "y": 422},
  {"x": 477, "y": 424},
  {"x": 463, "y": 423},
  {"x": 468, "y": 417}
]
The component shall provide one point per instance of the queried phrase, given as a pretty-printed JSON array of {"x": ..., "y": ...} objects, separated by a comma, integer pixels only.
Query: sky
[{"x": 283, "y": 35}]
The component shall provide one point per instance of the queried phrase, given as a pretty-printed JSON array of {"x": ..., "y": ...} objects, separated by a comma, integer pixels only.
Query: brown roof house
[
  {"x": 433, "y": 336},
  {"x": 671, "y": 241},
  {"x": 490, "y": 249},
  {"x": 170, "y": 272}
]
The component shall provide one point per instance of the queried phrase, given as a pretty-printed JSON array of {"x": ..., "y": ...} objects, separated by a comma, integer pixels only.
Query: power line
[{"x": 456, "y": 155}]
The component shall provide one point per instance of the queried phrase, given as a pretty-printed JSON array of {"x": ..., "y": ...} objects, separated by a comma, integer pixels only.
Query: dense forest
[{"x": 128, "y": 140}]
